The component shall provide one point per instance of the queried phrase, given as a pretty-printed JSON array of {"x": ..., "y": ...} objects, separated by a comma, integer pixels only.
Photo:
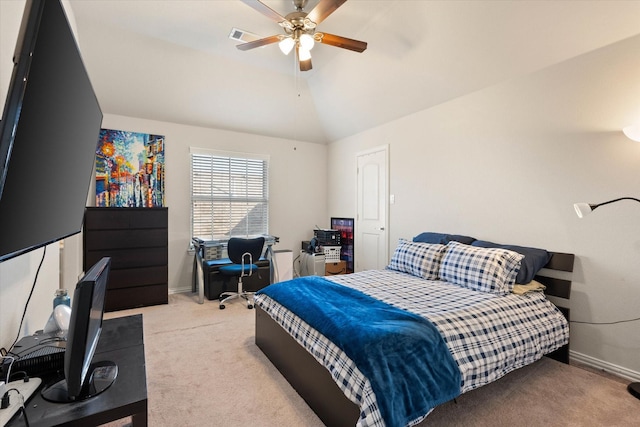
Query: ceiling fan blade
[
  {"x": 264, "y": 9},
  {"x": 323, "y": 9},
  {"x": 258, "y": 43},
  {"x": 343, "y": 42}
]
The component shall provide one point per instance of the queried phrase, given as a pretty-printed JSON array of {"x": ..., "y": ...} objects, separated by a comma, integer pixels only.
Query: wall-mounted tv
[{"x": 48, "y": 134}]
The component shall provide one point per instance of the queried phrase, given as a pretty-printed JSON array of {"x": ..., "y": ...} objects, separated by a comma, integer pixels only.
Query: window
[{"x": 229, "y": 194}]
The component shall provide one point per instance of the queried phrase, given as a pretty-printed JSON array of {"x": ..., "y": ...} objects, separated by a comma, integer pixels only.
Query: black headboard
[{"x": 560, "y": 288}]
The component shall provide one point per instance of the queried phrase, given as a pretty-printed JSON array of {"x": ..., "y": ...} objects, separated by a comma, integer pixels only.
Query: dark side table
[{"x": 122, "y": 342}]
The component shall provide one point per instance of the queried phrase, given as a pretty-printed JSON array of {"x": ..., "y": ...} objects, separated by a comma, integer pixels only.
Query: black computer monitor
[{"x": 84, "y": 378}]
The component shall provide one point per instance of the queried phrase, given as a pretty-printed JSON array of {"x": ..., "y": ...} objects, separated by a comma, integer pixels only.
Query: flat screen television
[
  {"x": 84, "y": 378},
  {"x": 49, "y": 130}
]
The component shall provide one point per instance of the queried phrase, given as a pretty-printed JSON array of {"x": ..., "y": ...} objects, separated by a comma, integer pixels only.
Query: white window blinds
[{"x": 229, "y": 194}]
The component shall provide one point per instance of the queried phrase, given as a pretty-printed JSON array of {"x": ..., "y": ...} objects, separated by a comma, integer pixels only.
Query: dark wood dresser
[{"x": 136, "y": 239}]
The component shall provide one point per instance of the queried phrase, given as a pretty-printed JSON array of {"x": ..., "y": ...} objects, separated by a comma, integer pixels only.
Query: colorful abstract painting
[{"x": 129, "y": 169}]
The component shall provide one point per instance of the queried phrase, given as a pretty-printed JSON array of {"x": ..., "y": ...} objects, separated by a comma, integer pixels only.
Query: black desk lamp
[{"x": 583, "y": 209}]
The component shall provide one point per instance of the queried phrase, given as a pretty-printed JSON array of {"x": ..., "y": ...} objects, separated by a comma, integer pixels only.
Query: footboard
[{"x": 309, "y": 378}]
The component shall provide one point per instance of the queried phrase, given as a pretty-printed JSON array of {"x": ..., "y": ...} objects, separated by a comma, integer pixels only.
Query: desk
[
  {"x": 207, "y": 279},
  {"x": 203, "y": 267},
  {"x": 122, "y": 342}
]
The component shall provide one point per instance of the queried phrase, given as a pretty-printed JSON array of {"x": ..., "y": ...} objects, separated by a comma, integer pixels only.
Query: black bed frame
[{"x": 313, "y": 381}]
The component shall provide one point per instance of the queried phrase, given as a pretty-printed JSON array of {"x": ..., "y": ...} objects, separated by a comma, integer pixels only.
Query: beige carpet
[{"x": 203, "y": 369}]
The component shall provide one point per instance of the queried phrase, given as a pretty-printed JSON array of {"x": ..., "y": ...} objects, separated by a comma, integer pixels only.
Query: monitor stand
[{"x": 100, "y": 376}]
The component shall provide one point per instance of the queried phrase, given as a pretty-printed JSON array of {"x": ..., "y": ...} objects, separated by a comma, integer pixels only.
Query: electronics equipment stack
[
  {"x": 37, "y": 354},
  {"x": 321, "y": 251},
  {"x": 327, "y": 237},
  {"x": 329, "y": 242}
]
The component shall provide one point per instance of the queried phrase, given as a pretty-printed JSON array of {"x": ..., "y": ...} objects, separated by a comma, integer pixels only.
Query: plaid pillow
[
  {"x": 482, "y": 269},
  {"x": 418, "y": 259}
]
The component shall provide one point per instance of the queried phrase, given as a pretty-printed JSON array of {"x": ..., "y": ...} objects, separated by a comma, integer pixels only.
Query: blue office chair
[{"x": 243, "y": 253}]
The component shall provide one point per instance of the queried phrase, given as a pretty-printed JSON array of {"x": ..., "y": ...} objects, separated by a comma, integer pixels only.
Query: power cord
[
  {"x": 296, "y": 272},
  {"x": 615, "y": 322},
  {"x": 33, "y": 286},
  {"x": 24, "y": 377},
  {"x": 4, "y": 400},
  {"x": 5, "y": 404},
  {"x": 10, "y": 365}
]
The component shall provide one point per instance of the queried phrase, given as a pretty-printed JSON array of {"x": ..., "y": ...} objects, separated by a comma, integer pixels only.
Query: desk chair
[{"x": 242, "y": 253}]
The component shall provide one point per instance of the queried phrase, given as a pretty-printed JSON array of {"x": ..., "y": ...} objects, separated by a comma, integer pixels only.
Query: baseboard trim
[{"x": 604, "y": 366}]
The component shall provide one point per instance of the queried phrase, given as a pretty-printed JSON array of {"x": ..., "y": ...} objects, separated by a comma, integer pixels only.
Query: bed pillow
[
  {"x": 534, "y": 259},
  {"x": 491, "y": 270},
  {"x": 442, "y": 238},
  {"x": 418, "y": 259}
]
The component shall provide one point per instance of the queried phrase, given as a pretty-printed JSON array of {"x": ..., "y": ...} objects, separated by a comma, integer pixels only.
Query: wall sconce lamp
[
  {"x": 583, "y": 209},
  {"x": 632, "y": 132}
]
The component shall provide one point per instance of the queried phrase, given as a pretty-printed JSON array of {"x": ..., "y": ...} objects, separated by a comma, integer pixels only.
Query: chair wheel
[
  {"x": 221, "y": 306},
  {"x": 249, "y": 306}
]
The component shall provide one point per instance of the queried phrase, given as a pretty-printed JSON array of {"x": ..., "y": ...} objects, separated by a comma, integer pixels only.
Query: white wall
[
  {"x": 297, "y": 184},
  {"x": 507, "y": 163}
]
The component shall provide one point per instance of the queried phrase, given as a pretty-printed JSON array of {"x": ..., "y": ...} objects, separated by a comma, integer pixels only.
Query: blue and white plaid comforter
[{"x": 488, "y": 335}]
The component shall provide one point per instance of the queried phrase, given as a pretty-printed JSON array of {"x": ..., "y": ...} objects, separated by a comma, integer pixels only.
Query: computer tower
[{"x": 312, "y": 264}]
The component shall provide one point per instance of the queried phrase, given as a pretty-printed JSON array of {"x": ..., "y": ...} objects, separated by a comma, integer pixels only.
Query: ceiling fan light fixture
[
  {"x": 306, "y": 41},
  {"x": 300, "y": 30},
  {"x": 304, "y": 54},
  {"x": 286, "y": 45}
]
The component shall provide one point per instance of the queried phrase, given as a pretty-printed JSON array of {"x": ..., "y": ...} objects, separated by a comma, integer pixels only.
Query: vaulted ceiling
[{"x": 173, "y": 60}]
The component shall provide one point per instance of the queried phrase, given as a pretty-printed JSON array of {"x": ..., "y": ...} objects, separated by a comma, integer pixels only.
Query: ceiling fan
[{"x": 300, "y": 30}]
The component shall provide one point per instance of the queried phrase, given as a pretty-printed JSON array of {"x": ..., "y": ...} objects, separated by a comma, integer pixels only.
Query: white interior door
[{"x": 371, "y": 240}]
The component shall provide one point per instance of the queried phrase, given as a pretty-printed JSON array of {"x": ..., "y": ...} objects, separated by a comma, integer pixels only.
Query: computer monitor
[{"x": 84, "y": 378}]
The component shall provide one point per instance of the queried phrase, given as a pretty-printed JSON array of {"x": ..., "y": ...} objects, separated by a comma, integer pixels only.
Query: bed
[{"x": 463, "y": 288}]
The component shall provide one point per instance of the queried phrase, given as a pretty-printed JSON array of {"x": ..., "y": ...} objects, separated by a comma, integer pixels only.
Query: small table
[{"x": 122, "y": 342}]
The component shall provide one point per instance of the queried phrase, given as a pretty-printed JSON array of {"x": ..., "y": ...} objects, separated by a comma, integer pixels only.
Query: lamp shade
[
  {"x": 306, "y": 42},
  {"x": 304, "y": 54},
  {"x": 632, "y": 132},
  {"x": 286, "y": 45},
  {"x": 582, "y": 209}
]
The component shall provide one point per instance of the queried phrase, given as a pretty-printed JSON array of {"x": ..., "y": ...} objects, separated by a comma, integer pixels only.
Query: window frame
[{"x": 250, "y": 196}]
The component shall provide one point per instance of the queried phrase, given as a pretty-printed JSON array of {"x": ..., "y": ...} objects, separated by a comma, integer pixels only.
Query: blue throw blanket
[{"x": 402, "y": 354}]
